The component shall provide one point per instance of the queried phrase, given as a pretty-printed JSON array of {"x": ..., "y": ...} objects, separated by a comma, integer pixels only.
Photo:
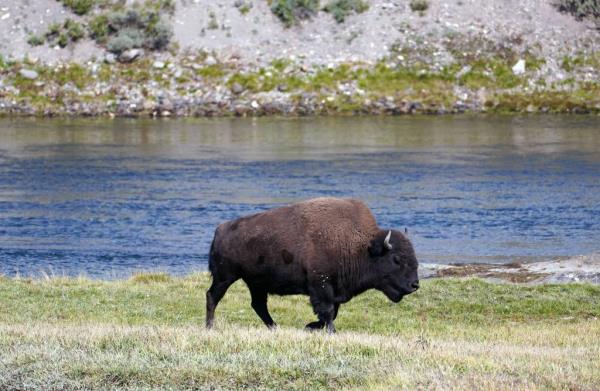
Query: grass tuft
[
  {"x": 341, "y": 9},
  {"x": 147, "y": 278},
  {"x": 290, "y": 12}
]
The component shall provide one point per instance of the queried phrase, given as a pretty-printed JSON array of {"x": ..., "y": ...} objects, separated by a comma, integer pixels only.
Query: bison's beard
[{"x": 393, "y": 294}]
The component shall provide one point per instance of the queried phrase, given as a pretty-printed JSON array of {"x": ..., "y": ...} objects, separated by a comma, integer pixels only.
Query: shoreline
[
  {"x": 202, "y": 85},
  {"x": 578, "y": 269},
  {"x": 581, "y": 269}
]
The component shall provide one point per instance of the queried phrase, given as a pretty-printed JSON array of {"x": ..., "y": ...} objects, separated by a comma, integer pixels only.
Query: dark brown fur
[{"x": 330, "y": 249}]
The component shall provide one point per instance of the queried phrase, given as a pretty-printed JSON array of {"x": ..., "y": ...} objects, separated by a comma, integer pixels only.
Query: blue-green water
[{"x": 105, "y": 198}]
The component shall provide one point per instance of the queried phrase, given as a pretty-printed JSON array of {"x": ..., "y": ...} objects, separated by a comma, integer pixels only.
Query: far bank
[{"x": 200, "y": 85}]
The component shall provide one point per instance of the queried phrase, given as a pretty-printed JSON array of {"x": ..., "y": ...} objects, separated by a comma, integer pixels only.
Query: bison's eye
[{"x": 396, "y": 259}]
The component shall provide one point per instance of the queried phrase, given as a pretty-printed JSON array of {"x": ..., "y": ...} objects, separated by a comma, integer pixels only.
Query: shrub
[
  {"x": 159, "y": 35},
  {"x": 63, "y": 40},
  {"x": 291, "y": 11},
  {"x": 419, "y": 5},
  {"x": 35, "y": 40},
  {"x": 80, "y": 7},
  {"x": 213, "y": 24},
  {"x": 127, "y": 38},
  {"x": 99, "y": 28},
  {"x": 132, "y": 28},
  {"x": 74, "y": 30},
  {"x": 581, "y": 9},
  {"x": 340, "y": 9},
  {"x": 53, "y": 30}
]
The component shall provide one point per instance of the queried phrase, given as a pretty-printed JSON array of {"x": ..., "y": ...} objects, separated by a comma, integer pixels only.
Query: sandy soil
[{"x": 259, "y": 36}]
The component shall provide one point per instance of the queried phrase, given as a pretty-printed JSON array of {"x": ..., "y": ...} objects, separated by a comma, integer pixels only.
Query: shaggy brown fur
[{"x": 330, "y": 249}]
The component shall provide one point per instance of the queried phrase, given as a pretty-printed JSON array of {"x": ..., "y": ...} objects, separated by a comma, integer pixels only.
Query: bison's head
[{"x": 395, "y": 265}]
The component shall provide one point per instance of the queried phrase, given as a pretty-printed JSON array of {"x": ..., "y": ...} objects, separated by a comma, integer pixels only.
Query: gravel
[{"x": 257, "y": 37}]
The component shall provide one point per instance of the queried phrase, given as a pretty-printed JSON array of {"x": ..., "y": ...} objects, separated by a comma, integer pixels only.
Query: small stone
[
  {"x": 28, "y": 74},
  {"x": 464, "y": 70},
  {"x": 130, "y": 55},
  {"x": 210, "y": 60},
  {"x": 254, "y": 104},
  {"x": 237, "y": 88},
  {"x": 519, "y": 67},
  {"x": 110, "y": 58},
  {"x": 158, "y": 64}
]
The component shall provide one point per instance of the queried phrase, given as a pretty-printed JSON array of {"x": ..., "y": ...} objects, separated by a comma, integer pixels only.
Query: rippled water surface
[{"x": 105, "y": 198}]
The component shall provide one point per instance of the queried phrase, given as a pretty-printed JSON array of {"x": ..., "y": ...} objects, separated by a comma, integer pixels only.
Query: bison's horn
[{"x": 386, "y": 242}]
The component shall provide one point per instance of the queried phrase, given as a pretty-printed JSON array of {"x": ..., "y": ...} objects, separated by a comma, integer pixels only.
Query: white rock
[
  {"x": 210, "y": 60},
  {"x": 130, "y": 55},
  {"x": 519, "y": 67},
  {"x": 466, "y": 69},
  {"x": 158, "y": 64},
  {"x": 28, "y": 74}
]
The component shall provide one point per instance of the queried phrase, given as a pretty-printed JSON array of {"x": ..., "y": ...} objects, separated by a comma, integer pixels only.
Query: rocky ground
[
  {"x": 576, "y": 269},
  {"x": 458, "y": 55}
]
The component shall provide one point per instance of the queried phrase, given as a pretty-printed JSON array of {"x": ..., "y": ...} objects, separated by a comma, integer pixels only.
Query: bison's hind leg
[
  {"x": 214, "y": 294},
  {"x": 259, "y": 304}
]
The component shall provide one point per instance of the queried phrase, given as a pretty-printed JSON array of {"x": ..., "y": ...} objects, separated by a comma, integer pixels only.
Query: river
[{"x": 105, "y": 198}]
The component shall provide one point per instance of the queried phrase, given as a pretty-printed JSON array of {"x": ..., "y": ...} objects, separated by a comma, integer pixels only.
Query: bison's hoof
[{"x": 314, "y": 326}]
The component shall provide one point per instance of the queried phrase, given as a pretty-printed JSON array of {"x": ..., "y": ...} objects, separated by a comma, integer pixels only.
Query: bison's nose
[{"x": 415, "y": 285}]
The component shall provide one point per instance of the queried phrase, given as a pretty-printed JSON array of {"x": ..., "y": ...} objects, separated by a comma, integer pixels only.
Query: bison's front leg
[
  {"x": 321, "y": 298},
  {"x": 318, "y": 325}
]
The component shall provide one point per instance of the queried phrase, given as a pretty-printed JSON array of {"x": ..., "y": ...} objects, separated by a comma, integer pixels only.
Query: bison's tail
[{"x": 211, "y": 256}]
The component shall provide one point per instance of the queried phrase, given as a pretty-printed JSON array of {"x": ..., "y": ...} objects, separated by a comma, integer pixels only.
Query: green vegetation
[
  {"x": 213, "y": 23},
  {"x": 35, "y": 40},
  {"x": 291, "y": 12},
  {"x": 80, "y": 7},
  {"x": 117, "y": 27},
  {"x": 243, "y": 6},
  {"x": 74, "y": 30},
  {"x": 60, "y": 34},
  {"x": 581, "y": 9},
  {"x": 134, "y": 28},
  {"x": 419, "y": 5},
  {"x": 486, "y": 84},
  {"x": 341, "y": 9},
  {"x": 147, "y": 332}
]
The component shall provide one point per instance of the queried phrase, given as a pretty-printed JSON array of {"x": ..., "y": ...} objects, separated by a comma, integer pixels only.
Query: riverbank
[
  {"x": 200, "y": 85},
  {"x": 215, "y": 58},
  {"x": 146, "y": 332},
  {"x": 583, "y": 268}
]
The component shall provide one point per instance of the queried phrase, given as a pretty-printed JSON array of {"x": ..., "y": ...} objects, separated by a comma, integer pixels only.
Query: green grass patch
[
  {"x": 290, "y": 12},
  {"x": 80, "y": 7},
  {"x": 161, "y": 299},
  {"x": 341, "y": 9}
]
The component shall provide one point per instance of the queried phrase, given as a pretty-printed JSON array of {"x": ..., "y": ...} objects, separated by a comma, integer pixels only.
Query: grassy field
[{"x": 147, "y": 333}]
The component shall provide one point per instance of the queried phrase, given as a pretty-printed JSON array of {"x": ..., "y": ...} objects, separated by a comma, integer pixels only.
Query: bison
[{"x": 327, "y": 248}]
